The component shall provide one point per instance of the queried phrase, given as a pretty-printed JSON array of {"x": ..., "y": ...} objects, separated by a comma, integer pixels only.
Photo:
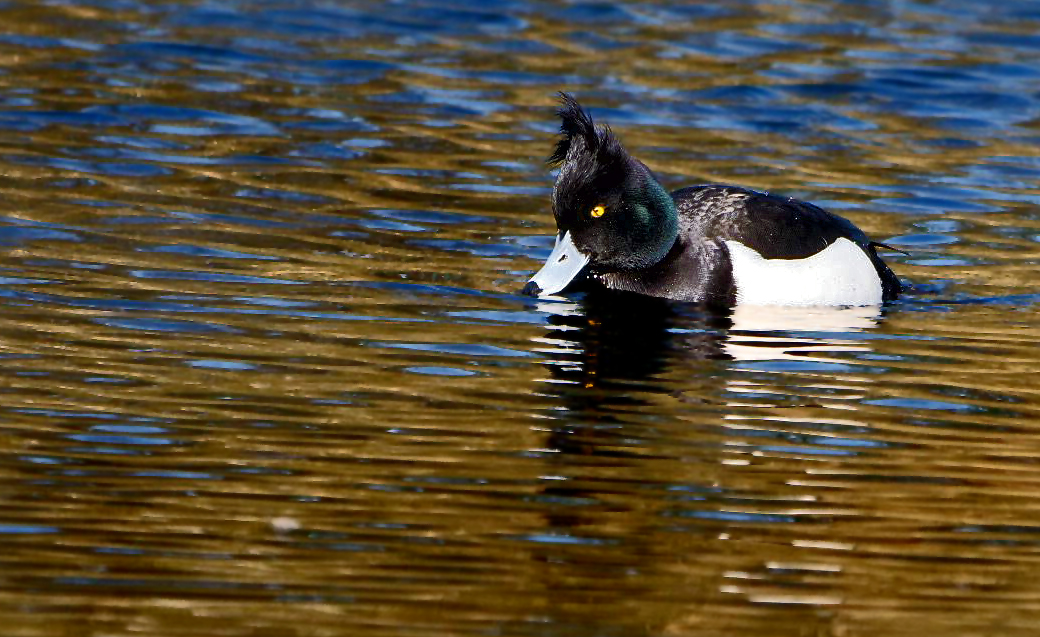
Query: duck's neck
[{"x": 663, "y": 220}]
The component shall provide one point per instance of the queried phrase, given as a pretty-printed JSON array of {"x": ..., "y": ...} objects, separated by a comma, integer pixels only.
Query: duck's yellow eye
[{"x": 598, "y": 211}]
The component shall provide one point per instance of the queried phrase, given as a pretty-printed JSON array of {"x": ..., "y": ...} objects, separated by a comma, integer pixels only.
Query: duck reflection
[
  {"x": 647, "y": 484},
  {"x": 611, "y": 356},
  {"x": 611, "y": 339},
  {"x": 607, "y": 341}
]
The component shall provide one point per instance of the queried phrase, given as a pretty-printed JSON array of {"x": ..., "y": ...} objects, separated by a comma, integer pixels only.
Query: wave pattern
[{"x": 265, "y": 371}]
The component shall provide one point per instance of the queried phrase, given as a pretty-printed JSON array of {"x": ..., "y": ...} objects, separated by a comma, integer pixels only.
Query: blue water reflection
[{"x": 261, "y": 337}]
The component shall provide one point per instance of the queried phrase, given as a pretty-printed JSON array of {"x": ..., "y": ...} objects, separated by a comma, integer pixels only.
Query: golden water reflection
[{"x": 264, "y": 369}]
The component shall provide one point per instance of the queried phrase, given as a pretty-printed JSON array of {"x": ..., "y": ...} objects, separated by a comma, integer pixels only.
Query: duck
[{"x": 618, "y": 228}]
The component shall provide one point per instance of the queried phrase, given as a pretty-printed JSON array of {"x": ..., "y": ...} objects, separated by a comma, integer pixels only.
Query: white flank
[{"x": 841, "y": 274}]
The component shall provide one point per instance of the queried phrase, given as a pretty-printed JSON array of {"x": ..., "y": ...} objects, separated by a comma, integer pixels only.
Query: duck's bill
[{"x": 564, "y": 264}]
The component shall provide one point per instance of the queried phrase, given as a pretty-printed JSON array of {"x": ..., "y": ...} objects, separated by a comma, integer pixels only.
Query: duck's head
[{"x": 612, "y": 214}]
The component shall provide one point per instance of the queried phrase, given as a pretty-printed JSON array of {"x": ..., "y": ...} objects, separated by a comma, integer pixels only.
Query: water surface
[{"x": 265, "y": 371}]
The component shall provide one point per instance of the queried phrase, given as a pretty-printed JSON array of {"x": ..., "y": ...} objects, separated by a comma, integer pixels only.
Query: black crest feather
[
  {"x": 579, "y": 131},
  {"x": 575, "y": 123}
]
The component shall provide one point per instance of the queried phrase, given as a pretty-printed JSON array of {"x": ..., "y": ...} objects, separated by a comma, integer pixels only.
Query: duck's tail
[{"x": 875, "y": 244}]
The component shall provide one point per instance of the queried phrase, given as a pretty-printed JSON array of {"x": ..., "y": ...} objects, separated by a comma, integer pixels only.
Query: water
[{"x": 265, "y": 371}]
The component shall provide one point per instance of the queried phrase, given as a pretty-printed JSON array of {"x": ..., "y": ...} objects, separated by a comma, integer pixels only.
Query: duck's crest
[{"x": 581, "y": 135}]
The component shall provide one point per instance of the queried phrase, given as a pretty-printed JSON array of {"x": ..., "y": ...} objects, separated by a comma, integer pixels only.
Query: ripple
[{"x": 262, "y": 339}]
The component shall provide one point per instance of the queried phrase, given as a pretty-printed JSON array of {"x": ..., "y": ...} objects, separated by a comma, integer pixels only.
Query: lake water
[{"x": 265, "y": 371}]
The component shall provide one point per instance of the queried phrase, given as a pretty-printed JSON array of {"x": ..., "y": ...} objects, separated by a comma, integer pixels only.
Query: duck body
[
  {"x": 737, "y": 245},
  {"x": 717, "y": 244}
]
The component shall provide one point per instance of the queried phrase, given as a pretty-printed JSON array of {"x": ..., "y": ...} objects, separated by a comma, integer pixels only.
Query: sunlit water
[{"x": 265, "y": 371}]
